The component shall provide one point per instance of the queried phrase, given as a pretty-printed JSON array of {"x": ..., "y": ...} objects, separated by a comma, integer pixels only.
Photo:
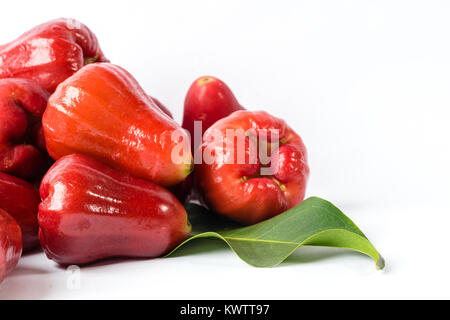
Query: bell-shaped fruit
[
  {"x": 101, "y": 111},
  {"x": 209, "y": 99},
  {"x": 254, "y": 166},
  {"x": 49, "y": 53},
  {"x": 90, "y": 211}
]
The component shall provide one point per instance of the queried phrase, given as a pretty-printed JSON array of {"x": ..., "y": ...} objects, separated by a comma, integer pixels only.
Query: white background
[{"x": 365, "y": 83}]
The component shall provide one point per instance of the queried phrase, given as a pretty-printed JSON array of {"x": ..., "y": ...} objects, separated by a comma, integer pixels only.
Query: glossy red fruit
[
  {"x": 101, "y": 111},
  {"x": 21, "y": 200},
  {"x": 240, "y": 183},
  {"x": 10, "y": 244},
  {"x": 22, "y": 146},
  {"x": 209, "y": 99},
  {"x": 49, "y": 53},
  {"x": 90, "y": 211}
]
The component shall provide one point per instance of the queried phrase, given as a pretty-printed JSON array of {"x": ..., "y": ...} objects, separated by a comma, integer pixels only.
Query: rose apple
[
  {"x": 209, "y": 99},
  {"x": 90, "y": 211},
  {"x": 49, "y": 53},
  {"x": 254, "y": 167},
  {"x": 103, "y": 112}
]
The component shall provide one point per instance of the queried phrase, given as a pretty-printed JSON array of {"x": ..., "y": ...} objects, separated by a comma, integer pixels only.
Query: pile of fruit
[{"x": 92, "y": 167}]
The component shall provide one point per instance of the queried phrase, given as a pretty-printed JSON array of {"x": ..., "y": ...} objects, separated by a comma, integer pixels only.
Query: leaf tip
[{"x": 380, "y": 263}]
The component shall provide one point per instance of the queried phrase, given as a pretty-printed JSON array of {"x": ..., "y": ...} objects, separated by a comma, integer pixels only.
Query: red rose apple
[
  {"x": 208, "y": 100},
  {"x": 254, "y": 167}
]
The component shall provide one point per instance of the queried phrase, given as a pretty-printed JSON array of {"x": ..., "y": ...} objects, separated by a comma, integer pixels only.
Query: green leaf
[{"x": 314, "y": 222}]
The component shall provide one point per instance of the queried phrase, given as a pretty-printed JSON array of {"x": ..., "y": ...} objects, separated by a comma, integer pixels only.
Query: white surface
[{"x": 365, "y": 83}]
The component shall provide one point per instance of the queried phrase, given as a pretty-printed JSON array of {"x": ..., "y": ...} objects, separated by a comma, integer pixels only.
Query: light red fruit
[
  {"x": 90, "y": 211},
  {"x": 252, "y": 190},
  {"x": 209, "y": 99},
  {"x": 49, "y": 53},
  {"x": 102, "y": 111}
]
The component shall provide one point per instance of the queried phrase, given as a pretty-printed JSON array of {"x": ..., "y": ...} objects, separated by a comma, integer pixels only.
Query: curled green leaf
[{"x": 314, "y": 222}]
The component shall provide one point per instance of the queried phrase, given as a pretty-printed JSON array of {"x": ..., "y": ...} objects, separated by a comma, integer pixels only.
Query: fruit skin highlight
[
  {"x": 209, "y": 99},
  {"x": 21, "y": 200},
  {"x": 51, "y": 52},
  {"x": 90, "y": 211},
  {"x": 10, "y": 244},
  {"x": 240, "y": 191},
  {"x": 22, "y": 145},
  {"x": 102, "y": 111}
]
